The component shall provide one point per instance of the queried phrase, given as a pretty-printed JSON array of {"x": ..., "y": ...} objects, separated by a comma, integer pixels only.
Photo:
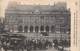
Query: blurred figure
[
  {"x": 55, "y": 43},
  {"x": 2, "y": 49}
]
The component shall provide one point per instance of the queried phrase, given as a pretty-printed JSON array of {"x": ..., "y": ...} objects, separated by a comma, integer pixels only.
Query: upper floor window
[{"x": 42, "y": 17}]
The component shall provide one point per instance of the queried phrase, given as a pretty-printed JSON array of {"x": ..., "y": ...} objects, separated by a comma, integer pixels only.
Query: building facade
[{"x": 38, "y": 18}]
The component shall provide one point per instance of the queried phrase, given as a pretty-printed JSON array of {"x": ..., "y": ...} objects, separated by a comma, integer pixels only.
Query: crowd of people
[
  {"x": 34, "y": 44},
  {"x": 44, "y": 44},
  {"x": 38, "y": 44}
]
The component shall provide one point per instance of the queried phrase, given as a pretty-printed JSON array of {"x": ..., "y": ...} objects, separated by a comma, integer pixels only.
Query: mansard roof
[{"x": 41, "y": 8}]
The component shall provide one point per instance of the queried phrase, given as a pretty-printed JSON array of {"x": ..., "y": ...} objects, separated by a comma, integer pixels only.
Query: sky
[{"x": 4, "y": 3}]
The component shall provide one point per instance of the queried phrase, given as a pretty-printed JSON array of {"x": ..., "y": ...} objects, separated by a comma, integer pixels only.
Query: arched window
[
  {"x": 52, "y": 29},
  {"x": 31, "y": 28},
  {"x": 26, "y": 29},
  {"x": 36, "y": 29},
  {"x": 42, "y": 28},
  {"x": 47, "y": 28},
  {"x": 20, "y": 28}
]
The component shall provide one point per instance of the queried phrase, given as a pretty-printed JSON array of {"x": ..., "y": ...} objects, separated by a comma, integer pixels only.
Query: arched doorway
[
  {"x": 47, "y": 28},
  {"x": 36, "y": 29},
  {"x": 42, "y": 28},
  {"x": 26, "y": 29},
  {"x": 52, "y": 29},
  {"x": 20, "y": 28},
  {"x": 31, "y": 28}
]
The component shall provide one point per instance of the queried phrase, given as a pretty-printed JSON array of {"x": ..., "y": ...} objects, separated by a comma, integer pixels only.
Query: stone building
[{"x": 38, "y": 18}]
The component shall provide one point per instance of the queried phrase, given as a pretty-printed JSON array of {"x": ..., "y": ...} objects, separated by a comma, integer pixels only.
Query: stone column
[
  {"x": 28, "y": 28},
  {"x": 23, "y": 28},
  {"x": 15, "y": 28},
  {"x": 44, "y": 29},
  {"x": 49, "y": 28},
  {"x": 39, "y": 29}
]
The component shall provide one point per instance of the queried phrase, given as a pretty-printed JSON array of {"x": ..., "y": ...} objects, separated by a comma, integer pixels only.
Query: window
[
  {"x": 20, "y": 28},
  {"x": 42, "y": 28},
  {"x": 47, "y": 28},
  {"x": 62, "y": 30},
  {"x": 31, "y": 28},
  {"x": 52, "y": 29},
  {"x": 26, "y": 29},
  {"x": 42, "y": 17},
  {"x": 36, "y": 29}
]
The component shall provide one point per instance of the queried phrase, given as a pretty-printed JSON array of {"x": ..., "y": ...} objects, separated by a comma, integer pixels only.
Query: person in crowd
[
  {"x": 55, "y": 43},
  {"x": 61, "y": 44}
]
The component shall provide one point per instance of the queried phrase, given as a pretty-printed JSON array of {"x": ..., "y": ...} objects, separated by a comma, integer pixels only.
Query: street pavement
[{"x": 50, "y": 49}]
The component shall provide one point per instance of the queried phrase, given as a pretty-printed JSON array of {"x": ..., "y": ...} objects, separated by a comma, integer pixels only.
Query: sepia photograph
[{"x": 36, "y": 25}]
